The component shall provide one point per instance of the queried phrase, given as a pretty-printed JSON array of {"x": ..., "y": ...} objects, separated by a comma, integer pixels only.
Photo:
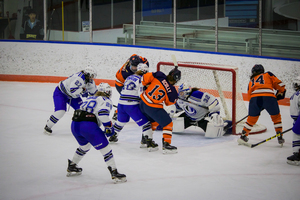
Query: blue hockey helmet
[
  {"x": 257, "y": 69},
  {"x": 175, "y": 74}
]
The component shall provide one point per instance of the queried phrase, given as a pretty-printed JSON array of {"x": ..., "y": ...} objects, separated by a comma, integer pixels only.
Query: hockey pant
[{"x": 256, "y": 105}]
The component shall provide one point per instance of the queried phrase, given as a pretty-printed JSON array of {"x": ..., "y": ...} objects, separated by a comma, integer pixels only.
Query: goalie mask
[
  {"x": 105, "y": 88},
  {"x": 184, "y": 90},
  {"x": 143, "y": 67},
  {"x": 89, "y": 73},
  {"x": 296, "y": 83}
]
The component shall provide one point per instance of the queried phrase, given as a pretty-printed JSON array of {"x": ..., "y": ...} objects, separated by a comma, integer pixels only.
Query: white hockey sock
[
  {"x": 118, "y": 126},
  {"x": 147, "y": 130},
  {"x": 149, "y": 133},
  {"x": 55, "y": 117},
  {"x": 108, "y": 156},
  {"x": 80, "y": 152}
]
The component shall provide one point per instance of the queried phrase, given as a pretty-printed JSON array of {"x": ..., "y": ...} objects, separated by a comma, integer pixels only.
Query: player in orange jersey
[
  {"x": 128, "y": 69},
  {"x": 160, "y": 90},
  {"x": 261, "y": 93}
]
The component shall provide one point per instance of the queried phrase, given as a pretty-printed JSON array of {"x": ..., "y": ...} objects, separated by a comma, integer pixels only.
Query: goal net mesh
[{"x": 220, "y": 81}]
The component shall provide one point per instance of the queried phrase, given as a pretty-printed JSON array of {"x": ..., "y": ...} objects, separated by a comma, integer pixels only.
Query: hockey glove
[
  {"x": 280, "y": 96},
  {"x": 84, "y": 92},
  {"x": 216, "y": 119},
  {"x": 109, "y": 131}
]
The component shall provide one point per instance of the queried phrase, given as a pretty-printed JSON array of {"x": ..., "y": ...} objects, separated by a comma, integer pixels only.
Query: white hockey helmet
[
  {"x": 296, "y": 83},
  {"x": 105, "y": 88},
  {"x": 90, "y": 72},
  {"x": 184, "y": 90},
  {"x": 143, "y": 67}
]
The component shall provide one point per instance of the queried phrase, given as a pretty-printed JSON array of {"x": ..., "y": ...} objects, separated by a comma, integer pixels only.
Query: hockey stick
[
  {"x": 225, "y": 129},
  {"x": 240, "y": 141},
  {"x": 174, "y": 61},
  {"x": 194, "y": 103}
]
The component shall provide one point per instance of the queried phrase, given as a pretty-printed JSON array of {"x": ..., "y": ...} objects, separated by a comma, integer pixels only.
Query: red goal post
[{"x": 220, "y": 81}]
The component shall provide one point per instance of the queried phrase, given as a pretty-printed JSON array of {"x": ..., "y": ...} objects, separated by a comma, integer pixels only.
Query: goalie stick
[
  {"x": 174, "y": 61},
  {"x": 240, "y": 141},
  {"x": 194, "y": 103}
]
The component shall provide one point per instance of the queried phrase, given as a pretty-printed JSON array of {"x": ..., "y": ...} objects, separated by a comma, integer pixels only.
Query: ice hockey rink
[{"x": 33, "y": 165}]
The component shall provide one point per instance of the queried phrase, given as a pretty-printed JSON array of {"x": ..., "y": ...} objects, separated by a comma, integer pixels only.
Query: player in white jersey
[
  {"x": 197, "y": 108},
  {"x": 128, "y": 107},
  {"x": 86, "y": 122},
  {"x": 295, "y": 112},
  {"x": 69, "y": 91}
]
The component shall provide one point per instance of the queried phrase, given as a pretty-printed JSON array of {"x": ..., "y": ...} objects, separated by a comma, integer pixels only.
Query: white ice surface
[{"x": 33, "y": 165}]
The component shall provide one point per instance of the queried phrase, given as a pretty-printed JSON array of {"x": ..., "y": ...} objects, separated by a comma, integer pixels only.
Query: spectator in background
[{"x": 32, "y": 28}]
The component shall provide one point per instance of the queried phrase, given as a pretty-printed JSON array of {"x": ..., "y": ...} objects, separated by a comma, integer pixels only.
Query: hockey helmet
[
  {"x": 175, "y": 74},
  {"x": 296, "y": 83},
  {"x": 90, "y": 72},
  {"x": 257, "y": 69},
  {"x": 134, "y": 61},
  {"x": 184, "y": 90},
  {"x": 143, "y": 67},
  {"x": 105, "y": 88}
]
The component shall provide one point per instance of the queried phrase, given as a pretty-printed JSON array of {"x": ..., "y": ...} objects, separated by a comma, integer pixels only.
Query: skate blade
[
  {"x": 69, "y": 174},
  {"x": 143, "y": 146},
  {"x": 119, "y": 180},
  {"x": 46, "y": 132},
  {"x": 150, "y": 149},
  {"x": 242, "y": 142},
  {"x": 169, "y": 151},
  {"x": 296, "y": 163}
]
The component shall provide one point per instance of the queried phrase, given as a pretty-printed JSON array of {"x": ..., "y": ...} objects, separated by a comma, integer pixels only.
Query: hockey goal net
[{"x": 222, "y": 82}]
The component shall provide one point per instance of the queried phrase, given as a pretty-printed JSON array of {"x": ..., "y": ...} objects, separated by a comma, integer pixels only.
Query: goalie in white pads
[
  {"x": 197, "y": 108},
  {"x": 295, "y": 112},
  {"x": 85, "y": 127}
]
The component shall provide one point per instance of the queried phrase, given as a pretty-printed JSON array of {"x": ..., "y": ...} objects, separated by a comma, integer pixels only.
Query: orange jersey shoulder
[{"x": 264, "y": 85}]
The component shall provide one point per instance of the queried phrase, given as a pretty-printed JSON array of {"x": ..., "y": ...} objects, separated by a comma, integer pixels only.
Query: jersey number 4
[{"x": 259, "y": 80}]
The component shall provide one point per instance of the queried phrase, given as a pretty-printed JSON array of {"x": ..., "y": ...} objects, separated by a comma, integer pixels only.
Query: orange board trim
[{"x": 57, "y": 79}]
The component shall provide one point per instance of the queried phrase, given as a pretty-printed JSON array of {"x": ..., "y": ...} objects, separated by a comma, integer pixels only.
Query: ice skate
[
  {"x": 294, "y": 159},
  {"x": 280, "y": 139},
  {"x": 73, "y": 170},
  {"x": 47, "y": 130},
  {"x": 151, "y": 145},
  {"x": 167, "y": 148},
  {"x": 143, "y": 142},
  {"x": 116, "y": 176},
  {"x": 113, "y": 139},
  {"x": 243, "y": 139}
]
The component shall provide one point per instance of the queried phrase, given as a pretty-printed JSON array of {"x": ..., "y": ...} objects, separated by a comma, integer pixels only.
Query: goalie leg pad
[
  {"x": 213, "y": 131},
  {"x": 178, "y": 124}
]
